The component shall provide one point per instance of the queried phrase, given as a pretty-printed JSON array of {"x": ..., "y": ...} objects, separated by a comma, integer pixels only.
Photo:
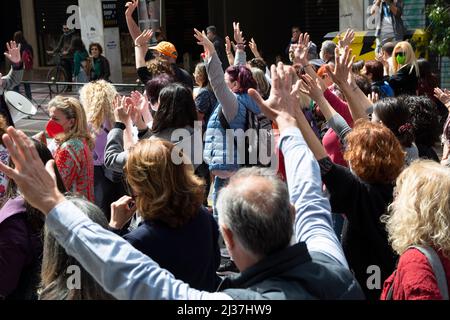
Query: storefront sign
[{"x": 109, "y": 9}]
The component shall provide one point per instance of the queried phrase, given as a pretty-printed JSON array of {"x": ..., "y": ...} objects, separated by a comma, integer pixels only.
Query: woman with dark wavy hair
[
  {"x": 177, "y": 231},
  {"x": 395, "y": 114}
]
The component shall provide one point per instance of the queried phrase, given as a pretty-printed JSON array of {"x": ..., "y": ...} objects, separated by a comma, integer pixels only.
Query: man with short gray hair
[
  {"x": 258, "y": 215},
  {"x": 327, "y": 51}
]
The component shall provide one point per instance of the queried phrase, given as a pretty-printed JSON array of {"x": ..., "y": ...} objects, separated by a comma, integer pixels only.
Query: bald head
[{"x": 255, "y": 207}]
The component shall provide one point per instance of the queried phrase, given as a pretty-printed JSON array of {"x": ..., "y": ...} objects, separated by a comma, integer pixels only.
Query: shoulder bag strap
[{"x": 438, "y": 269}]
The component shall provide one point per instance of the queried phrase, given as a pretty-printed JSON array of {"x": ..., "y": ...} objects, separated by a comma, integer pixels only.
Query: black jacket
[
  {"x": 294, "y": 274},
  {"x": 404, "y": 81}
]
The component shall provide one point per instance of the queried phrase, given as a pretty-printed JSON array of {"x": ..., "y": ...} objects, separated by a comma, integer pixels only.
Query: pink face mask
[{"x": 53, "y": 128}]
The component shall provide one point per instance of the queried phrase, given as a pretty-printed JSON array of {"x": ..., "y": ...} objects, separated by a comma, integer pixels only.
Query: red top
[
  {"x": 330, "y": 140},
  {"x": 76, "y": 166},
  {"x": 415, "y": 279}
]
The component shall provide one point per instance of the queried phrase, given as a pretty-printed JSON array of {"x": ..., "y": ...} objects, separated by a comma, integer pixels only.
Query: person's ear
[
  {"x": 227, "y": 235},
  {"x": 72, "y": 123}
]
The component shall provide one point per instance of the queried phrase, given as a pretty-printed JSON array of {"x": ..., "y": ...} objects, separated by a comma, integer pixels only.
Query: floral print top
[
  {"x": 4, "y": 158},
  {"x": 76, "y": 166}
]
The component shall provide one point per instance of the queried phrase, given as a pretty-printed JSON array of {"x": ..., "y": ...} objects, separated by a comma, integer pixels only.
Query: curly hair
[
  {"x": 72, "y": 109},
  {"x": 374, "y": 153},
  {"x": 164, "y": 191},
  {"x": 420, "y": 212},
  {"x": 97, "y": 99},
  {"x": 158, "y": 66},
  {"x": 425, "y": 119}
]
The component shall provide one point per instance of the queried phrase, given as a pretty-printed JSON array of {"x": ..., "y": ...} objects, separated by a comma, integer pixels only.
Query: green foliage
[{"x": 439, "y": 27}]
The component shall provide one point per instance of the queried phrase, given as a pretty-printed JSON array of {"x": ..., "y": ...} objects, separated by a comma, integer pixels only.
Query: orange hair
[{"x": 374, "y": 153}]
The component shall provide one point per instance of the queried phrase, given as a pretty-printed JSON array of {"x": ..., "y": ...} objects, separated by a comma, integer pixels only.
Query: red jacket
[{"x": 415, "y": 279}]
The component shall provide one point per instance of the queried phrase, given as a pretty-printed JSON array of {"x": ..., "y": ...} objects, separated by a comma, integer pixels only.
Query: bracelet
[
  {"x": 138, "y": 45},
  {"x": 229, "y": 53}
]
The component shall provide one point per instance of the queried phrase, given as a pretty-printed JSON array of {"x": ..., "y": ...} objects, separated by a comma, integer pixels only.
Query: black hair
[
  {"x": 425, "y": 119},
  {"x": 394, "y": 114},
  {"x": 176, "y": 108}
]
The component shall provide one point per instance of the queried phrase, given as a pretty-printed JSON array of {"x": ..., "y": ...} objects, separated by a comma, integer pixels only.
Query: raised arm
[
  {"x": 216, "y": 76},
  {"x": 342, "y": 76},
  {"x": 141, "y": 47},
  {"x": 240, "y": 57},
  {"x": 120, "y": 269},
  {"x": 313, "y": 223},
  {"x": 14, "y": 77},
  {"x": 254, "y": 48},
  {"x": 228, "y": 48},
  {"x": 133, "y": 28},
  {"x": 314, "y": 89}
]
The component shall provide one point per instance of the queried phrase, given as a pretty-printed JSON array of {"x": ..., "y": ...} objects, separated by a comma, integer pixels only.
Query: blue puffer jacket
[{"x": 216, "y": 154}]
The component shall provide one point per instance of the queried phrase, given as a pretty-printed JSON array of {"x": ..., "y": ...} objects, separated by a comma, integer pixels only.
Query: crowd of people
[{"x": 119, "y": 186}]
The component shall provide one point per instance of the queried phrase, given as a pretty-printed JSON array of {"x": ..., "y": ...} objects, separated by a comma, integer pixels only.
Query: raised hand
[
  {"x": 131, "y": 6},
  {"x": 443, "y": 96},
  {"x": 341, "y": 74},
  {"x": 229, "y": 45},
  {"x": 203, "y": 40},
  {"x": 121, "y": 109},
  {"x": 144, "y": 38},
  {"x": 347, "y": 39},
  {"x": 36, "y": 183},
  {"x": 301, "y": 49},
  {"x": 238, "y": 34},
  {"x": 141, "y": 107},
  {"x": 373, "y": 97},
  {"x": 282, "y": 105},
  {"x": 311, "y": 87},
  {"x": 121, "y": 212},
  {"x": 254, "y": 48},
  {"x": 13, "y": 52}
]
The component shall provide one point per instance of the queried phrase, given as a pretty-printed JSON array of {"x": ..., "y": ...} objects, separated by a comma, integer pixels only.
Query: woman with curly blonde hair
[
  {"x": 177, "y": 231},
  {"x": 419, "y": 216},
  {"x": 98, "y": 99},
  {"x": 74, "y": 144}
]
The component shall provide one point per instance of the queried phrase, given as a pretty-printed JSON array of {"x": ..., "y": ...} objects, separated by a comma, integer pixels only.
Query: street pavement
[{"x": 41, "y": 96}]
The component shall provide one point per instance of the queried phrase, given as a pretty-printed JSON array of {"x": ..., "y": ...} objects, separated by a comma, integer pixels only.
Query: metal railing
[{"x": 43, "y": 91}]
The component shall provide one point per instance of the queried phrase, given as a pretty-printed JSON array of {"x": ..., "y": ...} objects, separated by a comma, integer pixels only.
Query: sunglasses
[{"x": 399, "y": 54}]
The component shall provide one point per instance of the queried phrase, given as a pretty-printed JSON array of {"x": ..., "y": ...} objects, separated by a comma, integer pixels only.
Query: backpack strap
[
  {"x": 223, "y": 121},
  {"x": 438, "y": 269},
  {"x": 390, "y": 292}
]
